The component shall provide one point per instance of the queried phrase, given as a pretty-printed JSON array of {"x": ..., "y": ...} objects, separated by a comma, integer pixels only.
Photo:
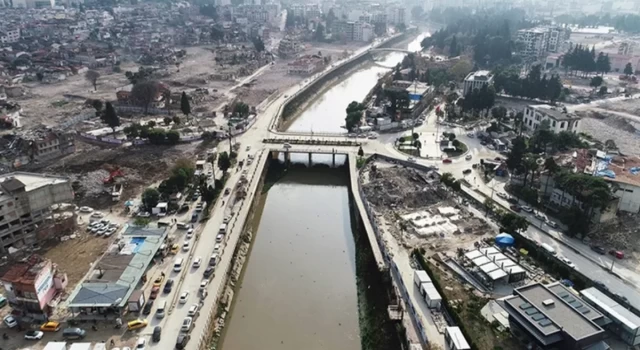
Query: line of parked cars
[{"x": 102, "y": 227}]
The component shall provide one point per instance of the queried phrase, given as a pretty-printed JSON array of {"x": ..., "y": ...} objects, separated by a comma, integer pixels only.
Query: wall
[
  {"x": 48, "y": 195},
  {"x": 395, "y": 272}
]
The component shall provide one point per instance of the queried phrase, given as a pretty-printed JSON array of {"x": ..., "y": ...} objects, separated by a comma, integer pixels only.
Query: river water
[
  {"x": 327, "y": 112},
  {"x": 298, "y": 290}
]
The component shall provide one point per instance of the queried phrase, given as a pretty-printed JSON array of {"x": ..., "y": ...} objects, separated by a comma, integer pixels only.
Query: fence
[
  {"x": 136, "y": 109},
  {"x": 201, "y": 343},
  {"x": 395, "y": 272}
]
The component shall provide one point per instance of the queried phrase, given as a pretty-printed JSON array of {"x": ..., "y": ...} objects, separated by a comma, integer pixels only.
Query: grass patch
[
  {"x": 59, "y": 103},
  {"x": 461, "y": 148}
]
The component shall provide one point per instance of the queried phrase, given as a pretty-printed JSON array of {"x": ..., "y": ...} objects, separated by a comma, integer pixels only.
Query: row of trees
[
  {"x": 156, "y": 136},
  {"x": 585, "y": 61},
  {"x": 487, "y": 33},
  {"x": 534, "y": 85}
]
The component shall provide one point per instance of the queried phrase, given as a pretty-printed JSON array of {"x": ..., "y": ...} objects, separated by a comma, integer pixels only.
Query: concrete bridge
[{"x": 389, "y": 49}]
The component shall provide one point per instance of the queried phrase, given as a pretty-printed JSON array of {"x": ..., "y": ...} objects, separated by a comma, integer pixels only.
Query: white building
[
  {"x": 9, "y": 36},
  {"x": 559, "y": 119},
  {"x": 532, "y": 43},
  {"x": 362, "y": 32},
  {"x": 454, "y": 340},
  {"x": 558, "y": 39},
  {"x": 396, "y": 15},
  {"x": 476, "y": 80}
]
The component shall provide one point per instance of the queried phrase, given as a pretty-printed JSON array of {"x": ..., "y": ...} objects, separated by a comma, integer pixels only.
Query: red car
[
  {"x": 618, "y": 254},
  {"x": 446, "y": 161},
  {"x": 515, "y": 208},
  {"x": 154, "y": 292}
]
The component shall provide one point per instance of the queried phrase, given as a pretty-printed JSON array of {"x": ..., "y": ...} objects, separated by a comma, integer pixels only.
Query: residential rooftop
[
  {"x": 481, "y": 75},
  {"x": 553, "y": 112},
  {"x": 611, "y": 308},
  {"x": 31, "y": 181}
]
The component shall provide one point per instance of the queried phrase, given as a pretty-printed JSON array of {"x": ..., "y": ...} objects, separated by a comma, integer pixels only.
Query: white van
[
  {"x": 223, "y": 229},
  {"x": 177, "y": 265},
  {"x": 548, "y": 248},
  {"x": 160, "y": 310}
]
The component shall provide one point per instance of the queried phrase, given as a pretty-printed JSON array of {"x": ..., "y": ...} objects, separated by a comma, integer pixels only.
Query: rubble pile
[
  {"x": 403, "y": 188},
  {"x": 618, "y": 233}
]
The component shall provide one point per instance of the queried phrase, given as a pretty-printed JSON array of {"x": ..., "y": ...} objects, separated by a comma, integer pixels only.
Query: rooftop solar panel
[
  {"x": 531, "y": 311},
  {"x": 545, "y": 322},
  {"x": 525, "y": 306},
  {"x": 537, "y": 317}
]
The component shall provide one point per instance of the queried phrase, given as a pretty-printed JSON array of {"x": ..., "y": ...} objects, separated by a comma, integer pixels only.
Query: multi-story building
[
  {"x": 25, "y": 202},
  {"x": 532, "y": 43},
  {"x": 396, "y": 15},
  {"x": 626, "y": 48},
  {"x": 558, "y": 39},
  {"x": 476, "y": 80},
  {"x": 559, "y": 119},
  {"x": 552, "y": 317},
  {"x": 306, "y": 65},
  {"x": 50, "y": 144},
  {"x": 31, "y": 285},
  {"x": 9, "y": 36},
  {"x": 536, "y": 42},
  {"x": 353, "y": 31}
]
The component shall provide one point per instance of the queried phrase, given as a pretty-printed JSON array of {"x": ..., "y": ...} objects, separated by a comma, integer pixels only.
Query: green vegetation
[
  {"x": 585, "y": 61},
  {"x": 534, "y": 85},
  {"x": 486, "y": 34},
  {"x": 354, "y": 115}
]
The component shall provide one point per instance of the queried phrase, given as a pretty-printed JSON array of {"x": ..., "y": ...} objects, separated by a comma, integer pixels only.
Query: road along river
[{"x": 326, "y": 112}]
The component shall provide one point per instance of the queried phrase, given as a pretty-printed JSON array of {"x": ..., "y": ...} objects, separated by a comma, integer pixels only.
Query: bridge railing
[{"x": 317, "y": 142}]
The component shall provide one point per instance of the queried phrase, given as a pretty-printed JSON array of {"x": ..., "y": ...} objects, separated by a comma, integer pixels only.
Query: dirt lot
[
  {"x": 607, "y": 126},
  {"x": 74, "y": 257}
]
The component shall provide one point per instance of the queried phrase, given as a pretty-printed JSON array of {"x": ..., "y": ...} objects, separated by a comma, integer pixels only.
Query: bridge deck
[{"x": 373, "y": 240}]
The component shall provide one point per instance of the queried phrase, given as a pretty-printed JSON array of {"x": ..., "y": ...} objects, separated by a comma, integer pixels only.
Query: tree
[
  {"x": 224, "y": 162},
  {"x": 185, "y": 106},
  {"x": 603, "y": 91},
  {"x": 258, "y": 44},
  {"x": 453, "y": 47},
  {"x": 173, "y": 137},
  {"x": 150, "y": 198},
  {"x": 499, "y": 113},
  {"x": 92, "y": 77},
  {"x": 97, "y": 105},
  {"x": 167, "y": 120},
  {"x": 241, "y": 109},
  {"x": 516, "y": 155},
  {"x": 510, "y": 222},
  {"x": 596, "y": 81},
  {"x": 110, "y": 117},
  {"x": 360, "y": 152},
  {"x": 132, "y": 131},
  {"x": 628, "y": 69},
  {"x": 415, "y": 136},
  {"x": 176, "y": 120},
  {"x": 145, "y": 93},
  {"x": 157, "y": 136},
  {"x": 354, "y": 115},
  {"x": 141, "y": 222},
  {"x": 319, "y": 33}
]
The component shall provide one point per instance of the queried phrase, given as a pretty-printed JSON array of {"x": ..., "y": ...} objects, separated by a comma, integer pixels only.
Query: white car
[
  {"x": 471, "y": 135},
  {"x": 193, "y": 310},
  {"x": 411, "y": 159},
  {"x": 186, "y": 324},
  {"x": 97, "y": 214},
  {"x": 248, "y": 148},
  {"x": 219, "y": 238},
  {"x": 184, "y": 297},
  {"x": 33, "y": 335},
  {"x": 197, "y": 262},
  {"x": 527, "y": 209},
  {"x": 141, "y": 344},
  {"x": 86, "y": 209},
  {"x": 568, "y": 262},
  {"x": 10, "y": 321},
  {"x": 110, "y": 231},
  {"x": 186, "y": 246},
  {"x": 204, "y": 284},
  {"x": 189, "y": 233},
  {"x": 216, "y": 248},
  {"x": 551, "y": 224},
  {"x": 468, "y": 157}
]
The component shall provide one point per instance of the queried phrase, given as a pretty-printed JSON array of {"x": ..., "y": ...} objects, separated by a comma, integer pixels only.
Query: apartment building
[
  {"x": 50, "y": 144},
  {"x": 476, "y": 80},
  {"x": 396, "y": 15},
  {"x": 32, "y": 285},
  {"x": 25, "y": 202},
  {"x": 536, "y": 42},
  {"x": 353, "y": 30},
  {"x": 9, "y": 36},
  {"x": 532, "y": 43},
  {"x": 626, "y": 48},
  {"x": 559, "y": 119}
]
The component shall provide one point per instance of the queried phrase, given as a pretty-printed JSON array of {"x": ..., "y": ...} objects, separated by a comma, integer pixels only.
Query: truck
[
  {"x": 116, "y": 192},
  {"x": 136, "y": 301}
]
